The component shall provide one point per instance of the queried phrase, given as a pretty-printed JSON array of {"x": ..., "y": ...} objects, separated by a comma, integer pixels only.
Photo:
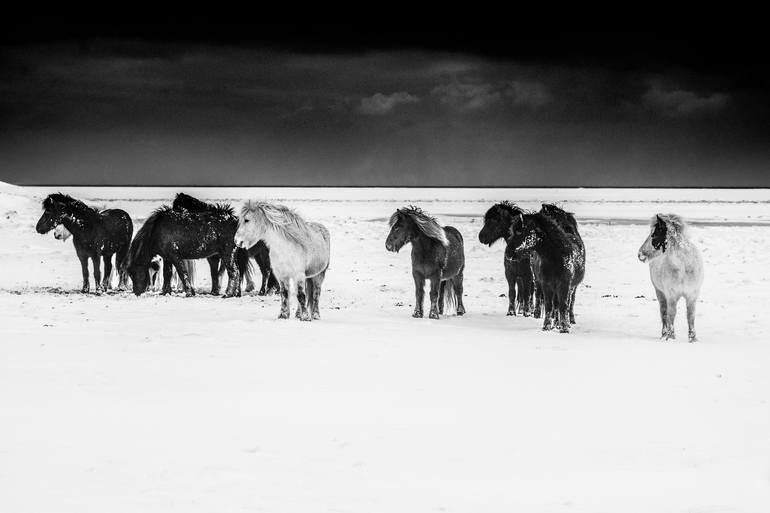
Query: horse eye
[{"x": 245, "y": 220}]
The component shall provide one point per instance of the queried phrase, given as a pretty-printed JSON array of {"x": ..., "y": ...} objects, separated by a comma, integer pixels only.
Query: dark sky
[{"x": 217, "y": 105}]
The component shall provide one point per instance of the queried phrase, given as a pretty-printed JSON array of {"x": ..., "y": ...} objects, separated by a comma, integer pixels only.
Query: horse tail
[
  {"x": 450, "y": 297},
  {"x": 243, "y": 262}
]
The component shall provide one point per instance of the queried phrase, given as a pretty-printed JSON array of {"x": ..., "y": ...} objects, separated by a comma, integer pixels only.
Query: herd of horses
[{"x": 544, "y": 259}]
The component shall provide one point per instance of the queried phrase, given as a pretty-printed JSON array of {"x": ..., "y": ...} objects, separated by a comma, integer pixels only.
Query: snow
[{"x": 157, "y": 404}]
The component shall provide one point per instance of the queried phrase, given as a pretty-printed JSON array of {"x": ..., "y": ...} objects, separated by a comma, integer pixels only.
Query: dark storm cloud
[{"x": 124, "y": 111}]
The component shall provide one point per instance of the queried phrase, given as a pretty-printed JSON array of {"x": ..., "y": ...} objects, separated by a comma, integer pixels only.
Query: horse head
[
  {"x": 53, "y": 212},
  {"x": 497, "y": 221},
  {"x": 523, "y": 236},
  {"x": 657, "y": 242},
  {"x": 250, "y": 227},
  {"x": 402, "y": 230}
]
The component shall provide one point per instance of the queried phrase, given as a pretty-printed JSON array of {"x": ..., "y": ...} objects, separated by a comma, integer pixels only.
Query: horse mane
[
  {"x": 280, "y": 219},
  {"x": 140, "y": 250},
  {"x": 425, "y": 223},
  {"x": 189, "y": 203},
  {"x": 676, "y": 228},
  {"x": 72, "y": 203},
  {"x": 552, "y": 229},
  {"x": 509, "y": 206}
]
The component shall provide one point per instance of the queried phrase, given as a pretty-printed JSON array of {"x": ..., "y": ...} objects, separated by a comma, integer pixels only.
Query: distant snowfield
[{"x": 157, "y": 404}]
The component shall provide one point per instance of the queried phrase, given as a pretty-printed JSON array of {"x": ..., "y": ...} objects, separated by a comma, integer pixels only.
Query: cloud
[
  {"x": 533, "y": 94},
  {"x": 380, "y": 104},
  {"x": 681, "y": 102},
  {"x": 467, "y": 96}
]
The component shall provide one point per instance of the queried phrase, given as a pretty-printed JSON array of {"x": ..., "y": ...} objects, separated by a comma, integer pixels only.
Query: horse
[
  {"x": 177, "y": 236},
  {"x": 437, "y": 255},
  {"x": 260, "y": 253},
  {"x": 676, "y": 270},
  {"x": 560, "y": 263},
  {"x": 96, "y": 235},
  {"x": 568, "y": 223},
  {"x": 300, "y": 252},
  {"x": 518, "y": 270},
  {"x": 176, "y": 284}
]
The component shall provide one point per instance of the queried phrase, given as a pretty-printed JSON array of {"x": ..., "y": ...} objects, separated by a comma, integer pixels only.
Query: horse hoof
[
  {"x": 316, "y": 316},
  {"x": 417, "y": 315},
  {"x": 510, "y": 313},
  {"x": 564, "y": 329},
  {"x": 434, "y": 315},
  {"x": 283, "y": 315},
  {"x": 460, "y": 312}
]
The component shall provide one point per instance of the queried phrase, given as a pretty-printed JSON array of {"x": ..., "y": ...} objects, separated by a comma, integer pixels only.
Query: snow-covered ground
[{"x": 157, "y": 404}]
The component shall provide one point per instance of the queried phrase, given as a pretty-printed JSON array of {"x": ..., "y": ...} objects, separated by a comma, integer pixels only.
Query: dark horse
[
  {"x": 568, "y": 223},
  {"x": 518, "y": 270},
  {"x": 259, "y": 251},
  {"x": 95, "y": 235},
  {"x": 437, "y": 255},
  {"x": 560, "y": 264},
  {"x": 180, "y": 235}
]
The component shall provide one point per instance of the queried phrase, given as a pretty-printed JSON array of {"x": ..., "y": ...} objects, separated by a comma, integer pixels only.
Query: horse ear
[
  {"x": 521, "y": 218},
  {"x": 659, "y": 220}
]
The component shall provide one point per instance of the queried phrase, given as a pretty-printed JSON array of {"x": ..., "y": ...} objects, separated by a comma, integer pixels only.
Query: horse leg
[
  {"x": 572, "y": 306},
  {"x": 527, "y": 297},
  {"x": 547, "y": 308},
  {"x": 457, "y": 281},
  {"x": 441, "y": 289},
  {"x": 538, "y": 297},
  {"x": 96, "y": 259},
  {"x": 511, "y": 279},
  {"x": 564, "y": 294},
  {"x": 214, "y": 270},
  {"x": 84, "y": 269},
  {"x": 285, "y": 286},
  {"x": 181, "y": 272},
  {"x": 166, "y": 277},
  {"x": 316, "y": 294},
  {"x": 233, "y": 283},
  {"x": 107, "y": 282},
  {"x": 671, "y": 317},
  {"x": 662, "y": 304},
  {"x": 691, "y": 319},
  {"x": 265, "y": 279},
  {"x": 120, "y": 263},
  {"x": 435, "y": 284},
  {"x": 419, "y": 293},
  {"x": 302, "y": 299},
  {"x": 250, "y": 283}
]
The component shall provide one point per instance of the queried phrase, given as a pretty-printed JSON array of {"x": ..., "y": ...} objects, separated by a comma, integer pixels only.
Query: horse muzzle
[{"x": 642, "y": 257}]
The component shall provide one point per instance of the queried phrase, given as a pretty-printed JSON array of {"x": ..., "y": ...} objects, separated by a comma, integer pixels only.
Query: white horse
[
  {"x": 299, "y": 252},
  {"x": 676, "y": 270},
  {"x": 61, "y": 233},
  {"x": 155, "y": 282}
]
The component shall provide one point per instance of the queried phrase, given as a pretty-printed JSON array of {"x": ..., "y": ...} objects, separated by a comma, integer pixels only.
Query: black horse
[
  {"x": 569, "y": 224},
  {"x": 518, "y": 269},
  {"x": 259, "y": 251},
  {"x": 437, "y": 255},
  {"x": 177, "y": 236},
  {"x": 560, "y": 263},
  {"x": 95, "y": 235}
]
